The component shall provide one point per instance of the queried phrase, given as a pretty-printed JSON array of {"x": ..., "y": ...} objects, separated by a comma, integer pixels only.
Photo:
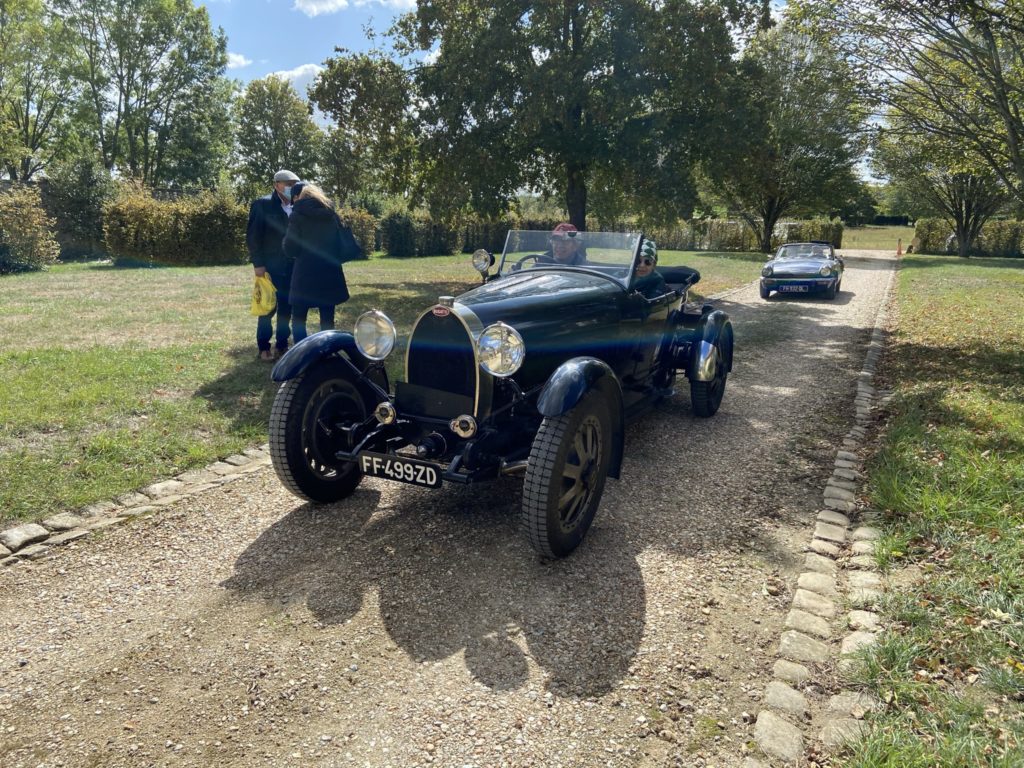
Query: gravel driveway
[{"x": 410, "y": 627}]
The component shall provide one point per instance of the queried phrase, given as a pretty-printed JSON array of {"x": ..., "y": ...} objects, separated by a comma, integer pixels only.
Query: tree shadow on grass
[{"x": 243, "y": 393}]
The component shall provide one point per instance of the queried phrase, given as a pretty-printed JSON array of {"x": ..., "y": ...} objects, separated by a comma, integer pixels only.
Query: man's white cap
[{"x": 285, "y": 176}]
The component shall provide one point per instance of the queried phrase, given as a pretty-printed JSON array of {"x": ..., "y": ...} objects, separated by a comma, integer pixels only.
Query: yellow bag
[{"x": 264, "y": 296}]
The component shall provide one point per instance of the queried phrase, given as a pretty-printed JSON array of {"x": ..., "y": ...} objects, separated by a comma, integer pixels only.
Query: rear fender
[
  {"x": 320, "y": 346},
  {"x": 568, "y": 385},
  {"x": 714, "y": 333}
]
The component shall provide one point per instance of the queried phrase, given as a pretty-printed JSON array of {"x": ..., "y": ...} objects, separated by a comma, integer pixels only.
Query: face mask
[{"x": 287, "y": 193}]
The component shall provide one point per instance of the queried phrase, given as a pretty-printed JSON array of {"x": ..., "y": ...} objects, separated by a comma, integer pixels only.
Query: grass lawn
[
  {"x": 949, "y": 479},
  {"x": 111, "y": 379},
  {"x": 871, "y": 238}
]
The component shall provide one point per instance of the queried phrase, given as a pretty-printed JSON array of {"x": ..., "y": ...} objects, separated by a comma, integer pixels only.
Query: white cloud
[
  {"x": 432, "y": 56},
  {"x": 317, "y": 7},
  {"x": 237, "y": 61},
  {"x": 301, "y": 77}
]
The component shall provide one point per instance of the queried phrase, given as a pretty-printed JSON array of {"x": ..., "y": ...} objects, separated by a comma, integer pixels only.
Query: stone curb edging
[
  {"x": 33, "y": 541},
  {"x": 840, "y": 572}
]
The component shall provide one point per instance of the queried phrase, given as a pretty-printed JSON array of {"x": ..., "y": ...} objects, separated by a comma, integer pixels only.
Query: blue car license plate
[
  {"x": 793, "y": 288},
  {"x": 403, "y": 470}
]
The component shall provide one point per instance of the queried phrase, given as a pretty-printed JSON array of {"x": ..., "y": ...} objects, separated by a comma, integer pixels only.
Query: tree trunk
[{"x": 576, "y": 196}]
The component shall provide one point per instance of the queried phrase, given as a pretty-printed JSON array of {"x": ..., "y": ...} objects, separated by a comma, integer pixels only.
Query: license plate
[
  {"x": 401, "y": 469},
  {"x": 793, "y": 288}
]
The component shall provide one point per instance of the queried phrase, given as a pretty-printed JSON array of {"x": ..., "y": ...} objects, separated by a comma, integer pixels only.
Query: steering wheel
[{"x": 519, "y": 264}]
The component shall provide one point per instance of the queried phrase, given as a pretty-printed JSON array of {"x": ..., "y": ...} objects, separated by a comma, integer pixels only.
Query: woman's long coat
[{"x": 315, "y": 240}]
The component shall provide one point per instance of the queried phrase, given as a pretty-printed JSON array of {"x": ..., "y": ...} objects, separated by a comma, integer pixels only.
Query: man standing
[{"x": 268, "y": 220}]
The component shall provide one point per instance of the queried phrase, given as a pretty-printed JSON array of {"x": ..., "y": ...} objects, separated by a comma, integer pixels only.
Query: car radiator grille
[{"x": 442, "y": 356}]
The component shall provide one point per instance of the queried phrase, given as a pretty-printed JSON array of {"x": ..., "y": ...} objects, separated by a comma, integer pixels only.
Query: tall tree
[
  {"x": 797, "y": 133},
  {"x": 555, "y": 95},
  {"x": 947, "y": 179},
  {"x": 145, "y": 62},
  {"x": 275, "y": 130},
  {"x": 36, "y": 86},
  {"x": 963, "y": 60}
]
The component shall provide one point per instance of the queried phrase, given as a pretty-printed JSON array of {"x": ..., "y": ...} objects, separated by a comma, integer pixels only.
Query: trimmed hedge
[
  {"x": 26, "y": 232},
  {"x": 203, "y": 230},
  {"x": 364, "y": 227},
  {"x": 830, "y": 230},
  {"x": 998, "y": 237}
]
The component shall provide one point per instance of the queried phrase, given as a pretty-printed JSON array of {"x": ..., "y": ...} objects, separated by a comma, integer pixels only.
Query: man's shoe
[
  {"x": 266, "y": 354},
  {"x": 278, "y": 353}
]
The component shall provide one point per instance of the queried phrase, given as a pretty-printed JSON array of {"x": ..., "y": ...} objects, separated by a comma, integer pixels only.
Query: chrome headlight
[
  {"x": 766, "y": 271},
  {"x": 375, "y": 334},
  {"x": 501, "y": 350},
  {"x": 482, "y": 260},
  {"x": 825, "y": 271}
]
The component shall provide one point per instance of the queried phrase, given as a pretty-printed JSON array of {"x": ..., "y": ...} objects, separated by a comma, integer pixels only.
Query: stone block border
[
  {"x": 831, "y": 616},
  {"x": 32, "y": 541}
]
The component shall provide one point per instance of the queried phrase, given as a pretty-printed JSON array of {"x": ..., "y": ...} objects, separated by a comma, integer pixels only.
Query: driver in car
[
  {"x": 566, "y": 246},
  {"x": 649, "y": 281}
]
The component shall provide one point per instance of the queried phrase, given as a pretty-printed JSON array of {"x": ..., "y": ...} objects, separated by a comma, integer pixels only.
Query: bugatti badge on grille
[{"x": 441, "y": 311}]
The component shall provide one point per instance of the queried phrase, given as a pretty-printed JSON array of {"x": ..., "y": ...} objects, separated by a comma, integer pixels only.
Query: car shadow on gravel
[{"x": 451, "y": 574}]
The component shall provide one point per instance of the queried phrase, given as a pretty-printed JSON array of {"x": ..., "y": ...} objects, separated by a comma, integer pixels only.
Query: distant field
[
  {"x": 113, "y": 378},
  {"x": 876, "y": 238}
]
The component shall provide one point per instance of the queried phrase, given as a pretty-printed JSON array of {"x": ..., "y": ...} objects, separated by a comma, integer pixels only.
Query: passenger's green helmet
[{"x": 649, "y": 250}]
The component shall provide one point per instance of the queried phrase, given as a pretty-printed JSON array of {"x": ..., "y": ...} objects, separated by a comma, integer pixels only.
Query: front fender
[
  {"x": 317, "y": 347},
  {"x": 325, "y": 344},
  {"x": 714, "y": 336},
  {"x": 571, "y": 381}
]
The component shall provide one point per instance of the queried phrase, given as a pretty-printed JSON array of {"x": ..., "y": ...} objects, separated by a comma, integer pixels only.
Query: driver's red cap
[{"x": 564, "y": 230}]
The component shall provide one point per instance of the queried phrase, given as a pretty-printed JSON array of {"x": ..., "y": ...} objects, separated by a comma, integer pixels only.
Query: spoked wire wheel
[{"x": 565, "y": 477}]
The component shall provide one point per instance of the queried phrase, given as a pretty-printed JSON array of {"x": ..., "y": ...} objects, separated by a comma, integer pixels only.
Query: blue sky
[{"x": 292, "y": 38}]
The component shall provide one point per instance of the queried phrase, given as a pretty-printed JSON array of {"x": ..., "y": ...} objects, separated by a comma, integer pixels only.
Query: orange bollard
[{"x": 899, "y": 246}]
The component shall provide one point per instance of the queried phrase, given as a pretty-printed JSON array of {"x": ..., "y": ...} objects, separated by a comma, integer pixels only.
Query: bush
[
  {"x": 722, "y": 235},
  {"x": 75, "y": 193},
  {"x": 398, "y": 235},
  {"x": 195, "y": 231},
  {"x": 364, "y": 227},
  {"x": 891, "y": 221},
  {"x": 933, "y": 235},
  {"x": 26, "y": 232},
  {"x": 1002, "y": 238},
  {"x": 490, "y": 235}
]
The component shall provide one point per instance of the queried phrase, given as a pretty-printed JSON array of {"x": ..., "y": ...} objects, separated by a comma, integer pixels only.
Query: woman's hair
[{"x": 312, "y": 190}]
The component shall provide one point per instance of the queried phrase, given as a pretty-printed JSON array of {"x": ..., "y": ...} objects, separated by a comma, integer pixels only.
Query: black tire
[
  {"x": 565, "y": 477},
  {"x": 765, "y": 292},
  {"x": 831, "y": 291},
  {"x": 302, "y": 447},
  {"x": 706, "y": 396}
]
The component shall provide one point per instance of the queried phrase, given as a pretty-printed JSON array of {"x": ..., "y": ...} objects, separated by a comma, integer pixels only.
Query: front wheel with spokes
[
  {"x": 565, "y": 477},
  {"x": 307, "y": 422}
]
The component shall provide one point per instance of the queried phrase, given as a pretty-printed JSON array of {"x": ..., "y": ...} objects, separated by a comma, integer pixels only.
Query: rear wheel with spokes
[{"x": 565, "y": 477}]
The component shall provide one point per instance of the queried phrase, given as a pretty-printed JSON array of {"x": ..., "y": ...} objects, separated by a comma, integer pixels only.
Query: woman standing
[{"x": 319, "y": 244}]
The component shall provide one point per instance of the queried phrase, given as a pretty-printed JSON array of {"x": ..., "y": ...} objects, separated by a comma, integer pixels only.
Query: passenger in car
[
  {"x": 648, "y": 280},
  {"x": 566, "y": 246}
]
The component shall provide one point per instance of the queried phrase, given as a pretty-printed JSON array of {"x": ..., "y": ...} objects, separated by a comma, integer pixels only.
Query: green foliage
[
  {"x": 798, "y": 128},
  {"x": 192, "y": 231},
  {"x": 405, "y": 234},
  {"x": 364, "y": 227},
  {"x": 75, "y": 194},
  {"x": 275, "y": 131},
  {"x": 557, "y": 99},
  {"x": 26, "y": 232},
  {"x": 814, "y": 229},
  {"x": 996, "y": 238},
  {"x": 398, "y": 234}
]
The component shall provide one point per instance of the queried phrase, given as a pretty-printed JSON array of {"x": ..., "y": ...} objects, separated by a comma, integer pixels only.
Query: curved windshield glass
[
  {"x": 609, "y": 253},
  {"x": 804, "y": 251}
]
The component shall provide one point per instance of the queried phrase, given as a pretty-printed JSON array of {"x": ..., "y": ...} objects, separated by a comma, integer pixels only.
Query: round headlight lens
[
  {"x": 825, "y": 271},
  {"x": 501, "y": 350},
  {"x": 482, "y": 261},
  {"x": 375, "y": 334},
  {"x": 766, "y": 271}
]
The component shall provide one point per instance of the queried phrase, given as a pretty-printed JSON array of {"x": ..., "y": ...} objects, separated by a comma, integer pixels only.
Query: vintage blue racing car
[{"x": 535, "y": 373}]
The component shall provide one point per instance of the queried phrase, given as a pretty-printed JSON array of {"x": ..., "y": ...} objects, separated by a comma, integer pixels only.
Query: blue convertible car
[{"x": 812, "y": 267}]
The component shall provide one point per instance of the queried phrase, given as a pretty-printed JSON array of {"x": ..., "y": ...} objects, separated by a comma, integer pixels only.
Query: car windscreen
[
  {"x": 609, "y": 253},
  {"x": 802, "y": 251}
]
